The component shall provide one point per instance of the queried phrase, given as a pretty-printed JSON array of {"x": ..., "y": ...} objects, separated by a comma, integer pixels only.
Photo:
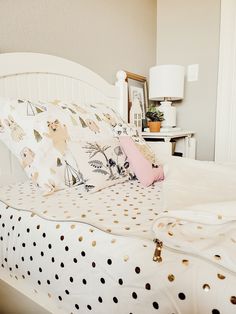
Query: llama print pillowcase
[{"x": 91, "y": 120}]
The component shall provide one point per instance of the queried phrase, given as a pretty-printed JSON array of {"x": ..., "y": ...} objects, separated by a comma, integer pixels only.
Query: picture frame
[{"x": 137, "y": 90}]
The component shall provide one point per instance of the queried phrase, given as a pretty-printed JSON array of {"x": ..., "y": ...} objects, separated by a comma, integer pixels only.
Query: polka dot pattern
[
  {"x": 126, "y": 208},
  {"x": 199, "y": 232},
  {"x": 62, "y": 259}
]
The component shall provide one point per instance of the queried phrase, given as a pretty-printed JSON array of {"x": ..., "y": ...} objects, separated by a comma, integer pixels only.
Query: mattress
[{"x": 94, "y": 253}]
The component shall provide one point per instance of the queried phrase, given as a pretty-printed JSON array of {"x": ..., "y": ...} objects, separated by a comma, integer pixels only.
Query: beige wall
[
  {"x": 188, "y": 33},
  {"x": 107, "y": 35},
  {"x": 104, "y": 35}
]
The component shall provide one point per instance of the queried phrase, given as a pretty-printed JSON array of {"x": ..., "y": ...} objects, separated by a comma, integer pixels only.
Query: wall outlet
[{"x": 192, "y": 72}]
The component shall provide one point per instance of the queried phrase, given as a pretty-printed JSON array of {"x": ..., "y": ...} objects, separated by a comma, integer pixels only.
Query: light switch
[{"x": 192, "y": 73}]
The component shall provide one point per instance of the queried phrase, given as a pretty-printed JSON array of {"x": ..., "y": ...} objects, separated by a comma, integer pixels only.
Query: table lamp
[{"x": 166, "y": 84}]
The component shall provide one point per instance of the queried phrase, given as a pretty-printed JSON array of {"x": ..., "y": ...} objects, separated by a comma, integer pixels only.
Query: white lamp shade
[{"x": 166, "y": 81}]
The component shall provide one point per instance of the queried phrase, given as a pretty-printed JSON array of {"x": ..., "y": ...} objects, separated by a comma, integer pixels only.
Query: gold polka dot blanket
[
  {"x": 79, "y": 254},
  {"x": 205, "y": 230},
  {"x": 125, "y": 209}
]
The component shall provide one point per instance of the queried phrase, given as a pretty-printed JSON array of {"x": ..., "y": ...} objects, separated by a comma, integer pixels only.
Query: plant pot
[{"x": 154, "y": 126}]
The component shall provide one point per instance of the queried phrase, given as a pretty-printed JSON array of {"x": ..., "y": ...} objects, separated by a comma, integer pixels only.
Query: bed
[{"x": 126, "y": 248}]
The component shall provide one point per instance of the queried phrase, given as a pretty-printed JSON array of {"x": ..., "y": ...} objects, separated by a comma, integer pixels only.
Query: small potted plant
[{"x": 154, "y": 117}]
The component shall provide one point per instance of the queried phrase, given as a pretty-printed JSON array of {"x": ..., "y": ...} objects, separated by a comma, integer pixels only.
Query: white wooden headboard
[{"x": 43, "y": 77}]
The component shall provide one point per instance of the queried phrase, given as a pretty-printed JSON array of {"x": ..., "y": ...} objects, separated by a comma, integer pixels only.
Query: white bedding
[
  {"x": 76, "y": 254},
  {"x": 190, "y": 182},
  {"x": 94, "y": 254},
  {"x": 205, "y": 230}
]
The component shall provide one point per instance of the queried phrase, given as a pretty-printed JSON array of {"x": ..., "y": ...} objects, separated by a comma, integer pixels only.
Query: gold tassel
[{"x": 157, "y": 254}]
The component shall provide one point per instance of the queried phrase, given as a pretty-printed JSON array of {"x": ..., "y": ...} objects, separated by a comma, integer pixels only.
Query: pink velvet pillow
[{"x": 142, "y": 167}]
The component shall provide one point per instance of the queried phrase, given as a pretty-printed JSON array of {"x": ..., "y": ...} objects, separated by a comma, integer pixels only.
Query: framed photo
[{"x": 137, "y": 91}]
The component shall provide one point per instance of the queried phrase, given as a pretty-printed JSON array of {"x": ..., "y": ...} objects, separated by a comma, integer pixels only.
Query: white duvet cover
[
  {"x": 206, "y": 230},
  {"x": 94, "y": 253},
  {"x": 191, "y": 182}
]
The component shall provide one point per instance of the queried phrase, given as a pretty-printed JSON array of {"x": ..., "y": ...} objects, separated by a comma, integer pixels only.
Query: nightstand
[{"x": 179, "y": 143}]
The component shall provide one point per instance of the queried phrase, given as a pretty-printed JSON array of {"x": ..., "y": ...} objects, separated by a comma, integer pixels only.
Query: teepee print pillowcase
[{"x": 37, "y": 135}]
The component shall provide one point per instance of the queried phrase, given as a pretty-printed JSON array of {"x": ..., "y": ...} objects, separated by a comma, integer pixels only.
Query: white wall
[
  {"x": 104, "y": 35},
  {"x": 188, "y": 33},
  {"x": 225, "y": 148}
]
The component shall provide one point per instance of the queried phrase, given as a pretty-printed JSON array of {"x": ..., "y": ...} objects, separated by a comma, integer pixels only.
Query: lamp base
[{"x": 169, "y": 114}]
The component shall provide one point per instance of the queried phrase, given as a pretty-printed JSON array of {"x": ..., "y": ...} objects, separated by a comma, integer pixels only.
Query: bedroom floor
[{"x": 12, "y": 302}]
